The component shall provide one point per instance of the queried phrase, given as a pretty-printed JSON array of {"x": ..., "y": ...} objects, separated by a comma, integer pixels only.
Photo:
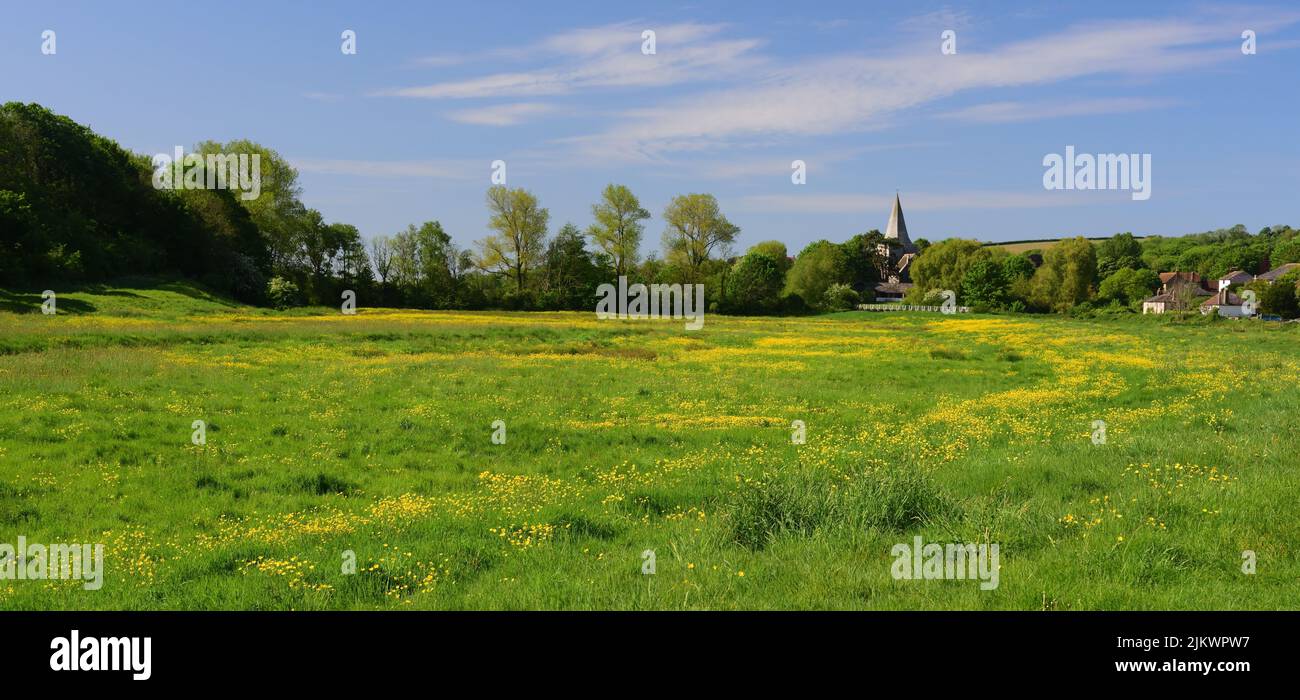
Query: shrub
[
  {"x": 240, "y": 279},
  {"x": 840, "y": 297},
  {"x": 754, "y": 285},
  {"x": 282, "y": 293},
  {"x": 794, "y": 305},
  {"x": 1128, "y": 287},
  {"x": 1279, "y": 298}
]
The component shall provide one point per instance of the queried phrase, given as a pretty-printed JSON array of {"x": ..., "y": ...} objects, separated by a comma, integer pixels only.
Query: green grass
[{"x": 372, "y": 434}]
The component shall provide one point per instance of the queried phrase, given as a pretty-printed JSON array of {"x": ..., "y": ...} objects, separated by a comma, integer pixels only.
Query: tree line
[
  {"x": 75, "y": 207},
  {"x": 517, "y": 266},
  {"x": 1078, "y": 276}
]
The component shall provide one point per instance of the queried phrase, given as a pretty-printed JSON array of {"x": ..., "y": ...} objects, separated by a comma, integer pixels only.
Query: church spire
[{"x": 897, "y": 228}]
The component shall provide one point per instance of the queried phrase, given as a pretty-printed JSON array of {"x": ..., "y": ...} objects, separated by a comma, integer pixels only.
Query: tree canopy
[
  {"x": 696, "y": 229},
  {"x": 617, "y": 228}
]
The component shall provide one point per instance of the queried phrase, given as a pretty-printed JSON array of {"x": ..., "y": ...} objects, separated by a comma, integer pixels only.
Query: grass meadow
[{"x": 372, "y": 434}]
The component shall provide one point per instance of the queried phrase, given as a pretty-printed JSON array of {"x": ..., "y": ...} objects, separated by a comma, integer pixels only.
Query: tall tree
[
  {"x": 1286, "y": 251},
  {"x": 696, "y": 227},
  {"x": 1018, "y": 270},
  {"x": 1128, "y": 286},
  {"x": 353, "y": 264},
  {"x": 984, "y": 284},
  {"x": 569, "y": 271},
  {"x": 775, "y": 250},
  {"x": 460, "y": 261},
  {"x": 520, "y": 226},
  {"x": 1067, "y": 277},
  {"x": 618, "y": 228},
  {"x": 1119, "y": 252},
  {"x": 406, "y": 258},
  {"x": 381, "y": 254},
  {"x": 318, "y": 243},
  {"x": 865, "y": 263},
  {"x": 818, "y": 266},
  {"x": 944, "y": 264},
  {"x": 435, "y": 254},
  {"x": 277, "y": 211},
  {"x": 422, "y": 263}
]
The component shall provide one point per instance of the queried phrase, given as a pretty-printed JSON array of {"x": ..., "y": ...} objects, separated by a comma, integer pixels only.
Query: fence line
[{"x": 909, "y": 307}]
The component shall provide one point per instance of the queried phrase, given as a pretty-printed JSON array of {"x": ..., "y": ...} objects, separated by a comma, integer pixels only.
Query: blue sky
[{"x": 405, "y": 130}]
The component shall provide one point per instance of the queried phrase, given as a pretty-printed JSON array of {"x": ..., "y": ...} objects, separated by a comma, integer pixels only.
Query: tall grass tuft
[{"x": 804, "y": 503}]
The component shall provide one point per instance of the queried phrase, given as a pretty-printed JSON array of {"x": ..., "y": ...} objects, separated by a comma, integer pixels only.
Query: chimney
[{"x": 1224, "y": 284}]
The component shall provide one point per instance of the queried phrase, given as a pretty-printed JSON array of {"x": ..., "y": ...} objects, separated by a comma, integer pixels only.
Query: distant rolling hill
[{"x": 1014, "y": 247}]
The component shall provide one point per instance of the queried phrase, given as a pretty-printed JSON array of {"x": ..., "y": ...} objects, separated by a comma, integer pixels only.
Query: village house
[
  {"x": 1277, "y": 272},
  {"x": 1224, "y": 303},
  {"x": 1235, "y": 278},
  {"x": 1183, "y": 291},
  {"x": 1160, "y": 303},
  {"x": 1179, "y": 291}
]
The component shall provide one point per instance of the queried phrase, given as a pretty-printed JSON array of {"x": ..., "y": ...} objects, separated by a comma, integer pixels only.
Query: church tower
[
  {"x": 897, "y": 251},
  {"x": 897, "y": 229}
]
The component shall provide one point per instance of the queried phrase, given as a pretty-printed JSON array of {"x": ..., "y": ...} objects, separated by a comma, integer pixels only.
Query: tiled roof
[
  {"x": 1223, "y": 298},
  {"x": 1278, "y": 271},
  {"x": 1165, "y": 277},
  {"x": 1175, "y": 298}
]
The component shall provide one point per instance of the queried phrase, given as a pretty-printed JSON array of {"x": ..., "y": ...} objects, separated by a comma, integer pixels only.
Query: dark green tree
[
  {"x": 818, "y": 266},
  {"x": 754, "y": 285},
  {"x": 569, "y": 273},
  {"x": 984, "y": 285}
]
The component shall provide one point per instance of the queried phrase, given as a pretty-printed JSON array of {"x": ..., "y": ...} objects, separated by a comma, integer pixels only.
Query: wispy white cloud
[
  {"x": 606, "y": 57},
  {"x": 931, "y": 23},
  {"x": 819, "y": 163},
  {"x": 852, "y": 203},
  {"x": 851, "y": 93},
  {"x": 1011, "y": 111},
  {"x": 763, "y": 103},
  {"x": 501, "y": 115},
  {"x": 593, "y": 41}
]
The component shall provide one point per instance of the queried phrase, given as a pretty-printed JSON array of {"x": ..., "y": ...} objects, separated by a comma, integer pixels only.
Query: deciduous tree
[
  {"x": 696, "y": 228},
  {"x": 1067, "y": 277},
  {"x": 617, "y": 230},
  {"x": 519, "y": 223},
  {"x": 818, "y": 266}
]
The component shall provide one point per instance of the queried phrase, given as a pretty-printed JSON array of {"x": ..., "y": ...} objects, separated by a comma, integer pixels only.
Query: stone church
[{"x": 898, "y": 252}]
